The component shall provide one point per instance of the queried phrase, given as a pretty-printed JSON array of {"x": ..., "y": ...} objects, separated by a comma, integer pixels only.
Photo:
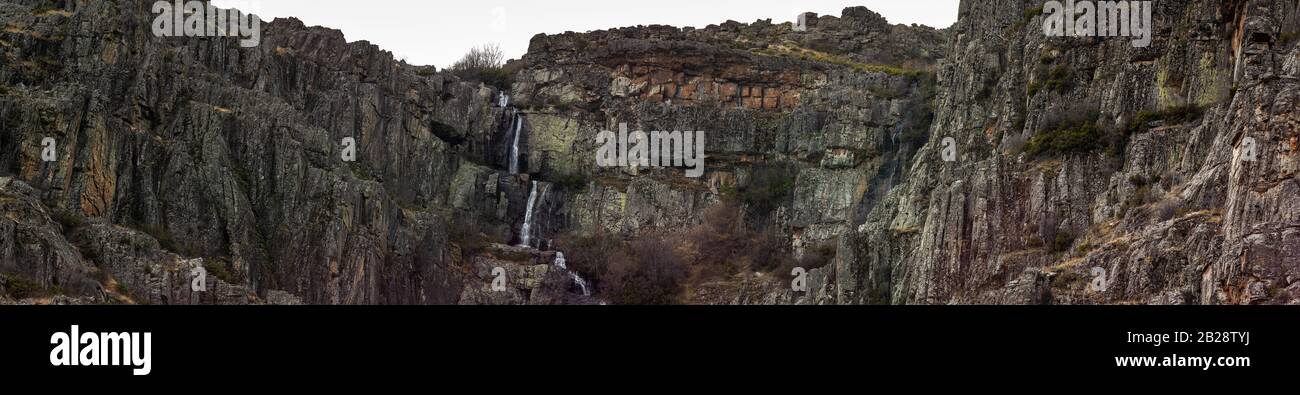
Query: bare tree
[{"x": 483, "y": 57}]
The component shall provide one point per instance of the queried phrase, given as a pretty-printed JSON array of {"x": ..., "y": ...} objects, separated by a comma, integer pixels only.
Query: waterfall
[
  {"x": 504, "y": 100},
  {"x": 560, "y": 263},
  {"x": 525, "y": 233},
  {"x": 514, "y": 147}
]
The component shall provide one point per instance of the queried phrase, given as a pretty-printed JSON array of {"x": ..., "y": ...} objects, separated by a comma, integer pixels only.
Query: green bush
[
  {"x": 69, "y": 220},
  {"x": 1145, "y": 119},
  {"x": 1170, "y": 116},
  {"x": 1059, "y": 79},
  {"x": 575, "y": 181},
  {"x": 769, "y": 186},
  {"x": 1062, "y": 242},
  {"x": 20, "y": 288},
  {"x": 1080, "y": 137},
  {"x": 219, "y": 270}
]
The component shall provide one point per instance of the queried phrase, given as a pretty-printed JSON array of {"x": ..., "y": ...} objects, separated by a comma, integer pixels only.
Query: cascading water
[
  {"x": 559, "y": 262},
  {"x": 514, "y": 146},
  {"x": 516, "y": 127},
  {"x": 525, "y": 232}
]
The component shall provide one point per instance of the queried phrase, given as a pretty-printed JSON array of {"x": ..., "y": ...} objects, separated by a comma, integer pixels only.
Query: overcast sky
[{"x": 438, "y": 32}]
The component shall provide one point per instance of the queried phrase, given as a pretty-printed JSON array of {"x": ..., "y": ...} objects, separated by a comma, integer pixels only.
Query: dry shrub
[
  {"x": 651, "y": 274},
  {"x": 1168, "y": 209},
  {"x": 717, "y": 242},
  {"x": 467, "y": 234},
  {"x": 483, "y": 57},
  {"x": 819, "y": 255},
  {"x": 485, "y": 63},
  {"x": 592, "y": 255}
]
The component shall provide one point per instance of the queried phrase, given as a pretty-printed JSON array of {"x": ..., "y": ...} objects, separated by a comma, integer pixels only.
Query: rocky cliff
[
  {"x": 1076, "y": 159},
  {"x": 1168, "y": 211}
]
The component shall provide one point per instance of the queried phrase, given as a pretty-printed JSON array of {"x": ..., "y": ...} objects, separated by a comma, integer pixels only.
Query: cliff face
[
  {"x": 764, "y": 95},
  {"x": 175, "y": 149},
  {"x": 1171, "y": 212},
  {"x": 230, "y": 154}
]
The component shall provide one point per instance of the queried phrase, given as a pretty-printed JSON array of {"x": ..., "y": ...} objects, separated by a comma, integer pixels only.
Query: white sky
[{"x": 438, "y": 32}]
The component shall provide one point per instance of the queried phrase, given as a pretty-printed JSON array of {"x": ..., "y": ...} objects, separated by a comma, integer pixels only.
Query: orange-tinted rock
[{"x": 728, "y": 91}]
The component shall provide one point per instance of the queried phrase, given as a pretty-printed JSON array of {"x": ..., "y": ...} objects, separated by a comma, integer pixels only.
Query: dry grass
[
  {"x": 54, "y": 12},
  {"x": 117, "y": 292},
  {"x": 1068, "y": 264},
  {"x": 796, "y": 52},
  {"x": 1050, "y": 166},
  {"x": 911, "y": 230}
]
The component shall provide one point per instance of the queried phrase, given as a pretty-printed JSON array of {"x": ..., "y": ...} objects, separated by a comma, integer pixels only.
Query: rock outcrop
[
  {"x": 1084, "y": 170},
  {"x": 1171, "y": 214}
]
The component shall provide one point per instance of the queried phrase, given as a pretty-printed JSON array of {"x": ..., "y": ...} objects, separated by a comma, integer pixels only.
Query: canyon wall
[{"x": 1075, "y": 159}]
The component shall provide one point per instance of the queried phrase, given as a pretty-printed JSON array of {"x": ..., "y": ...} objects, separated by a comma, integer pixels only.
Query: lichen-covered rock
[
  {"x": 506, "y": 275},
  {"x": 1173, "y": 215},
  {"x": 235, "y": 154},
  {"x": 35, "y": 259},
  {"x": 173, "y": 150}
]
